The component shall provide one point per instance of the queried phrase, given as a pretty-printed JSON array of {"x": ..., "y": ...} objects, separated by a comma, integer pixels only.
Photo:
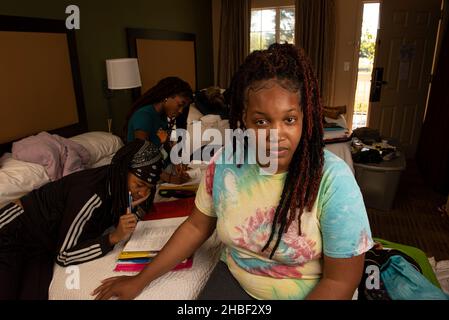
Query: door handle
[
  {"x": 381, "y": 82},
  {"x": 376, "y": 84}
]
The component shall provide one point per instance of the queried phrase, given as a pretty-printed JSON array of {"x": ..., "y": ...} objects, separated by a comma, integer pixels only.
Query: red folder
[
  {"x": 137, "y": 267},
  {"x": 170, "y": 209}
]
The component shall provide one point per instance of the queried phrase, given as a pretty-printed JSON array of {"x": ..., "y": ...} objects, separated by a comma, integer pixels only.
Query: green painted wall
[{"x": 102, "y": 36}]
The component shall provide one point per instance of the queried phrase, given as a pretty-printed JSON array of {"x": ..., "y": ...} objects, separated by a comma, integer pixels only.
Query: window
[{"x": 270, "y": 25}]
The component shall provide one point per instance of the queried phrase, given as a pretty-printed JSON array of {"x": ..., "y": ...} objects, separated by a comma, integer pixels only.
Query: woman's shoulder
[
  {"x": 336, "y": 175},
  {"x": 147, "y": 109},
  {"x": 333, "y": 164}
]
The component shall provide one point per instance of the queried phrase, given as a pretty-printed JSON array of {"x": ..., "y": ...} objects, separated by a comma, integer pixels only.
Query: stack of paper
[{"x": 145, "y": 243}]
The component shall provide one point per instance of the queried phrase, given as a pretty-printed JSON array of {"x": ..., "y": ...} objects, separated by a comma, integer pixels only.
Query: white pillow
[
  {"x": 17, "y": 178},
  {"x": 194, "y": 114},
  {"x": 99, "y": 144},
  {"x": 103, "y": 162}
]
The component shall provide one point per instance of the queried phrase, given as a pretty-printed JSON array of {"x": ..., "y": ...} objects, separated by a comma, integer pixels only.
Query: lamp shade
[{"x": 123, "y": 73}]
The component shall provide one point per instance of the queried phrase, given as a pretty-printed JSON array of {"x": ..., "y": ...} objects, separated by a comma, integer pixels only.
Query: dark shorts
[{"x": 223, "y": 286}]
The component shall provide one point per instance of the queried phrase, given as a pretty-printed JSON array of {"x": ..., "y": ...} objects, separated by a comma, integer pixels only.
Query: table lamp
[{"x": 122, "y": 74}]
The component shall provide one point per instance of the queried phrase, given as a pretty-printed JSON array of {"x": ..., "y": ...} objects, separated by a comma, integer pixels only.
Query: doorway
[
  {"x": 401, "y": 71},
  {"x": 367, "y": 51}
]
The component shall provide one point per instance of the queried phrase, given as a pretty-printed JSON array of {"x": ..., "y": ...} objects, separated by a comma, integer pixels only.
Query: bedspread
[
  {"x": 59, "y": 156},
  {"x": 177, "y": 285}
]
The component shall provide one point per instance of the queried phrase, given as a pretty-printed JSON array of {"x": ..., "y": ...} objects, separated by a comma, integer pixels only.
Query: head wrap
[
  {"x": 147, "y": 163},
  {"x": 144, "y": 160}
]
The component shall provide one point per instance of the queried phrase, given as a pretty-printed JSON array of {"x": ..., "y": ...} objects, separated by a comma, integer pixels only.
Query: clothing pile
[
  {"x": 369, "y": 147},
  {"x": 398, "y": 272}
]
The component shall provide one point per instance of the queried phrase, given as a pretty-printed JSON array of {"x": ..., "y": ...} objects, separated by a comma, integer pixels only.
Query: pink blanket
[{"x": 59, "y": 156}]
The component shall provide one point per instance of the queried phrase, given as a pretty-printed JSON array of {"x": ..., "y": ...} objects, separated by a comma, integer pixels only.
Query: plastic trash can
[{"x": 379, "y": 182}]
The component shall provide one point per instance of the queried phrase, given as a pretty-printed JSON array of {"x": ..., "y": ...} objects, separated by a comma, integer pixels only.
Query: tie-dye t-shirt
[{"x": 244, "y": 203}]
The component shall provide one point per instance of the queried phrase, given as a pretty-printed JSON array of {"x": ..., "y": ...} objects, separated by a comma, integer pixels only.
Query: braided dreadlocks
[
  {"x": 118, "y": 177},
  {"x": 165, "y": 88},
  {"x": 291, "y": 67}
]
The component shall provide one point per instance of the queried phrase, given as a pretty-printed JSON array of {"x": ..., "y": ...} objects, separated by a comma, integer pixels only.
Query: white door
[{"x": 404, "y": 53}]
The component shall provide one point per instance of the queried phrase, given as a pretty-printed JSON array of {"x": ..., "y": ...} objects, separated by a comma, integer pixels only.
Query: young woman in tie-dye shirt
[{"x": 298, "y": 233}]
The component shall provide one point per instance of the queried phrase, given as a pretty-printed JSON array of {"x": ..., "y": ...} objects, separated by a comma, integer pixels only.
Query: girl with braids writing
[
  {"x": 300, "y": 233},
  {"x": 65, "y": 221},
  {"x": 147, "y": 119}
]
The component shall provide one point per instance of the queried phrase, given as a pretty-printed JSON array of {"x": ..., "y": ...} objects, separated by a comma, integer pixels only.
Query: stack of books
[
  {"x": 136, "y": 261},
  {"x": 145, "y": 243}
]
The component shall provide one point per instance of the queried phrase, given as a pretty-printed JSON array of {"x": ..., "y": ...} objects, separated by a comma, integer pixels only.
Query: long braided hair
[
  {"x": 292, "y": 68},
  {"x": 165, "y": 88},
  {"x": 117, "y": 177}
]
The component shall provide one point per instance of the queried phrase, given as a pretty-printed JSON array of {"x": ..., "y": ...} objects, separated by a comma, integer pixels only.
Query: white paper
[
  {"x": 195, "y": 178},
  {"x": 148, "y": 237}
]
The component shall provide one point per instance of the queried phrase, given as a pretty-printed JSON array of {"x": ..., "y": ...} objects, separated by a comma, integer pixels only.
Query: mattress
[{"x": 177, "y": 285}]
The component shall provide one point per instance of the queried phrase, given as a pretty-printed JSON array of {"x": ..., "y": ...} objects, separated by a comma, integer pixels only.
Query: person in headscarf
[{"x": 69, "y": 221}]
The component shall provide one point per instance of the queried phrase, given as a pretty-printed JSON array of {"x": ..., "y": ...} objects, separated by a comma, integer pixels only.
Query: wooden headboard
[
  {"x": 161, "y": 54},
  {"x": 40, "y": 84}
]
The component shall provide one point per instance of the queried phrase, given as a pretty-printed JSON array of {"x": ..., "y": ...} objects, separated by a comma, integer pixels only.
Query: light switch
[{"x": 346, "y": 65}]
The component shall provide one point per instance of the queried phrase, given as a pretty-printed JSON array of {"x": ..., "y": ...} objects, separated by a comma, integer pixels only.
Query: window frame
[{"x": 277, "y": 28}]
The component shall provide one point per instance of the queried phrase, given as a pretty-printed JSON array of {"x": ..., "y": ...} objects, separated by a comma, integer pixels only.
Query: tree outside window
[{"x": 270, "y": 25}]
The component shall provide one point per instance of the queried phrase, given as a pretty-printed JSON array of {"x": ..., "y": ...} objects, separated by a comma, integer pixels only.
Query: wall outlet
[{"x": 346, "y": 66}]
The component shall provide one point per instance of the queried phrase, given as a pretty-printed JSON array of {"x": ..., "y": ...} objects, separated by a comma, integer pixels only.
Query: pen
[
  {"x": 130, "y": 206},
  {"x": 130, "y": 201}
]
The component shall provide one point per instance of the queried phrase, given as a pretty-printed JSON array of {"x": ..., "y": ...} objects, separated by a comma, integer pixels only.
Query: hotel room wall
[
  {"x": 348, "y": 21},
  {"x": 102, "y": 36}
]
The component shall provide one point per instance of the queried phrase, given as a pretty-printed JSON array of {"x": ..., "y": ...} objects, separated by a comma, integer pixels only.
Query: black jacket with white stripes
[{"x": 69, "y": 216}]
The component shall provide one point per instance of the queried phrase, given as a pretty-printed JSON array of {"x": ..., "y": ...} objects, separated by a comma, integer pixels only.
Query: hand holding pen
[{"x": 126, "y": 225}]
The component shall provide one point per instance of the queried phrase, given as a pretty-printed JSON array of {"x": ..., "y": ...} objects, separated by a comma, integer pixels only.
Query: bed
[
  {"x": 17, "y": 178},
  {"x": 177, "y": 285},
  {"x": 39, "y": 57},
  {"x": 40, "y": 90},
  {"x": 340, "y": 149},
  {"x": 40, "y": 83}
]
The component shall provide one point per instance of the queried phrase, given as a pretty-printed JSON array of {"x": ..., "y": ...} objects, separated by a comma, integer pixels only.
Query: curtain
[
  {"x": 234, "y": 38},
  {"x": 315, "y": 33}
]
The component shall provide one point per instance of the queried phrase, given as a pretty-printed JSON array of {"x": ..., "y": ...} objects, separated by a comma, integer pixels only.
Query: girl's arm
[
  {"x": 140, "y": 134},
  {"x": 185, "y": 241},
  {"x": 340, "y": 279}
]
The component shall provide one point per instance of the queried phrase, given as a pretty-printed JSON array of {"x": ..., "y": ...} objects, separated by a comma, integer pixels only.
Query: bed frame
[
  {"x": 161, "y": 54},
  {"x": 40, "y": 83}
]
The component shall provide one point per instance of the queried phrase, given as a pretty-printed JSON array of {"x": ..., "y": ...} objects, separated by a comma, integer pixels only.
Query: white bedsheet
[{"x": 178, "y": 285}]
